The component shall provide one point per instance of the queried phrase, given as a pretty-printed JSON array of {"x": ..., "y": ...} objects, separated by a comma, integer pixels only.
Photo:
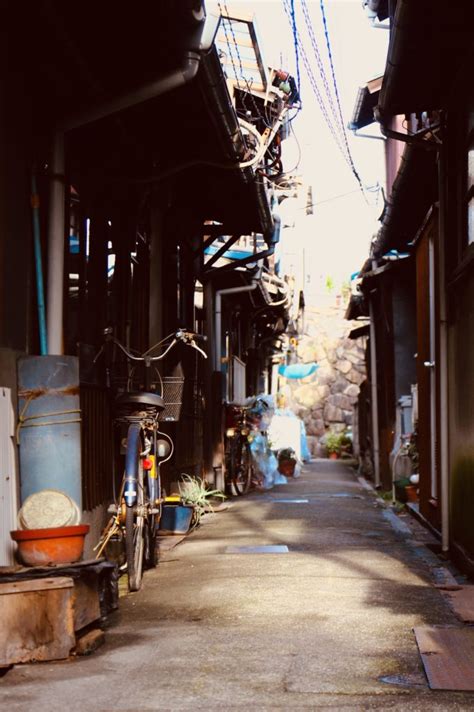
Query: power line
[
  {"x": 336, "y": 91},
  {"x": 371, "y": 189},
  {"x": 319, "y": 61},
  {"x": 301, "y": 51}
]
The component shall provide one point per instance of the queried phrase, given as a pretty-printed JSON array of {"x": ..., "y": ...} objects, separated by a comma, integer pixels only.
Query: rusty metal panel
[
  {"x": 462, "y": 602},
  {"x": 447, "y": 653}
]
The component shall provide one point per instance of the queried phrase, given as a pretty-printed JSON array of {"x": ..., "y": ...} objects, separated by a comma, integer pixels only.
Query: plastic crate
[{"x": 175, "y": 519}]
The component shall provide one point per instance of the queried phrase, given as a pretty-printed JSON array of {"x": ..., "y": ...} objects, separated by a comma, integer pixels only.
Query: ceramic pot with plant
[
  {"x": 287, "y": 461},
  {"x": 333, "y": 445}
]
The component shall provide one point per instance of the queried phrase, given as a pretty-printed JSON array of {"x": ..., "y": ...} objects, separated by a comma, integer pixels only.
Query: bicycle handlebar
[{"x": 187, "y": 337}]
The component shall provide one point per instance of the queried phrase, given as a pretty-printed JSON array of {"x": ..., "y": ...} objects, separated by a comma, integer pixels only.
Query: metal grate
[{"x": 97, "y": 446}]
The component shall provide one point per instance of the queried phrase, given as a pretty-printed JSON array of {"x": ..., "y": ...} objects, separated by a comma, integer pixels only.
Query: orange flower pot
[
  {"x": 59, "y": 545},
  {"x": 333, "y": 456},
  {"x": 287, "y": 467},
  {"x": 411, "y": 493}
]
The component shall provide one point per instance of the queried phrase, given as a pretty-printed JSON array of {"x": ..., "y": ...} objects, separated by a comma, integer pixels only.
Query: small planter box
[
  {"x": 175, "y": 519},
  {"x": 36, "y": 620}
]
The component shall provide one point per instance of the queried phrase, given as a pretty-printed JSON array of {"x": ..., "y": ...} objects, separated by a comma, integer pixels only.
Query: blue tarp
[{"x": 298, "y": 370}]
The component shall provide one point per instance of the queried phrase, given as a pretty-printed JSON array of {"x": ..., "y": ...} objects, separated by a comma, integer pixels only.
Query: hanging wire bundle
[{"x": 328, "y": 100}]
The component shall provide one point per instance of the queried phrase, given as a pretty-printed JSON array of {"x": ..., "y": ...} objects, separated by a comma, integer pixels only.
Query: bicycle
[
  {"x": 137, "y": 510},
  {"x": 238, "y": 456}
]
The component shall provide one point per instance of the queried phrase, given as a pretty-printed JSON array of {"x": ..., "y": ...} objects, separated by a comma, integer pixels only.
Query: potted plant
[
  {"x": 287, "y": 461},
  {"x": 333, "y": 445},
  {"x": 196, "y": 494},
  {"x": 345, "y": 444}
]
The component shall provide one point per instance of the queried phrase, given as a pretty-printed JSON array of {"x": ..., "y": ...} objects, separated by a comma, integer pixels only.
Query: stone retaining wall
[{"x": 326, "y": 401}]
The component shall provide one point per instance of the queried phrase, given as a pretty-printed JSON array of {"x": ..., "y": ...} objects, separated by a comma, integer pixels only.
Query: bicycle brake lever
[
  {"x": 195, "y": 346},
  {"x": 99, "y": 353}
]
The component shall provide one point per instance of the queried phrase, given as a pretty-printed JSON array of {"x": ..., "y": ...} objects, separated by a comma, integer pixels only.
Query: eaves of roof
[
  {"x": 366, "y": 101},
  {"x": 429, "y": 42},
  {"x": 414, "y": 191}
]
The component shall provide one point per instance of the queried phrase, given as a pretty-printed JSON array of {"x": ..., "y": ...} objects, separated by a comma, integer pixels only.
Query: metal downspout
[
  {"x": 38, "y": 268},
  {"x": 173, "y": 80},
  {"x": 374, "y": 398},
  {"x": 443, "y": 354},
  {"x": 432, "y": 365},
  {"x": 218, "y": 317}
]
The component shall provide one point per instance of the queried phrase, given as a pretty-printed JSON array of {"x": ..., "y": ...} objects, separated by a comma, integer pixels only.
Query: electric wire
[
  {"x": 313, "y": 83},
  {"x": 319, "y": 61},
  {"x": 337, "y": 130},
  {"x": 336, "y": 91}
]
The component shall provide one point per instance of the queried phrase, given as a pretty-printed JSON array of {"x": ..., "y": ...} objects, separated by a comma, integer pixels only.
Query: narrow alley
[{"x": 318, "y": 626}]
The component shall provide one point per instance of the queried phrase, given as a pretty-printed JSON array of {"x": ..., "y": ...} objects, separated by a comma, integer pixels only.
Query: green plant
[
  {"x": 338, "y": 443},
  {"x": 287, "y": 453},
  {"x": 413, "y": 451},
  {"x": 195, "y": 492},
  {"x": 333, "y": 442}
]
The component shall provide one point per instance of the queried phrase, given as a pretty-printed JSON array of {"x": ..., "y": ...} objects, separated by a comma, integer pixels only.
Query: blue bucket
[{"x": 175, "y": 519}]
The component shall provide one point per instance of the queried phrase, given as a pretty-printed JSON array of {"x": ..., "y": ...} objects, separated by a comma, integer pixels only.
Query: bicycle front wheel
[{"x": 242, "y": 467}]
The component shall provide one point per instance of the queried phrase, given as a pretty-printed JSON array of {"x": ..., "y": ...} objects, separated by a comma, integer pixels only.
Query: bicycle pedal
[{"x": 112, "y": 509}]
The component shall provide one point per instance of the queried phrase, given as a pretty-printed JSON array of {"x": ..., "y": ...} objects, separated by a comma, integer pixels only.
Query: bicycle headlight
[{"x": 162, "y": 448}]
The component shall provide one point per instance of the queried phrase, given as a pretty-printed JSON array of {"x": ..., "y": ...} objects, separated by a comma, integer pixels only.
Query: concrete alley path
[{"x": 313, "y": 628}]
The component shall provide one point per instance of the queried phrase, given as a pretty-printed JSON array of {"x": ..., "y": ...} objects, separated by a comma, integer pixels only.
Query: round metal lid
[{"x": 48, "y": 508}]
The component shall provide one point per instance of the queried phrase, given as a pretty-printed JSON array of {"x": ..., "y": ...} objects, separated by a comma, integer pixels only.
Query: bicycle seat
[{"x": 139, "y": 398}]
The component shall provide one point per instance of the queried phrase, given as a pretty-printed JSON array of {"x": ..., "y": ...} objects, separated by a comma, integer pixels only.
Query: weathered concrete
[{"x": 313, "y": 628}]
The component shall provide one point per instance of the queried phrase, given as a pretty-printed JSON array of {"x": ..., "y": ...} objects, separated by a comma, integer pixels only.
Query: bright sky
[{"x": 337, "y": 237}]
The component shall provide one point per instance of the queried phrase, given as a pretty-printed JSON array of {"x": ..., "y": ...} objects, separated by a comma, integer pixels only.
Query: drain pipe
[
  {"x": 443, "y": 352},
  {"x": 218, "y": 317},
  {"x": 175, "y": 79},
  {"x": 373, "y": 393}
]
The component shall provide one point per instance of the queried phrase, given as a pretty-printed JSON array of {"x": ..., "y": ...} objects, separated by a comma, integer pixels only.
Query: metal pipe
[
  {"x": 170, "y": 81},
  {"x": 173, "y": 80},
  {"x": 218, "y": 317},
  {"x": 443, "y": 355},
  {"x": 431, "y": 364},
  {"x": 57, "y": 201},
  {"x": 374, "y": 401},
  {"x": 39, "y": 267}
]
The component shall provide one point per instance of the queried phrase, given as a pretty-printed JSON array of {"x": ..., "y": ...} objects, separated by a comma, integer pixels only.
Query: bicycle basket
[{"x": 173, "y": 396}]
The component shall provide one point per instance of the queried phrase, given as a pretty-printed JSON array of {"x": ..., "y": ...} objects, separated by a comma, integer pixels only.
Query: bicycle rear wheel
[
  {"x": 241, "y": 466},
  {"x": 135, "y": 524}
]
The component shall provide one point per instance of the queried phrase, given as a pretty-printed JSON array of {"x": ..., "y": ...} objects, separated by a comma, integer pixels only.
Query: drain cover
[
  {"x": 289, "y": 501},
  {"x": 274, "y": 549}
]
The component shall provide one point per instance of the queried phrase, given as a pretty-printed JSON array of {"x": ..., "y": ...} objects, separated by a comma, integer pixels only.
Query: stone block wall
[{"x": 327, "y": 400}]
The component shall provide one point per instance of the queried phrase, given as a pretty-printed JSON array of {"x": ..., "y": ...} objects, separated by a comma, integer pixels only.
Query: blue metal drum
[{"x": 49, "y": 430}]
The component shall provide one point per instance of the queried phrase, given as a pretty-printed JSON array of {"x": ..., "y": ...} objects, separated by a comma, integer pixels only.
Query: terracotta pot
[
  {"x": 287, "y": 467},
  {"x": 411, "y": 493},
  {"x": 59, "y": 545},
  {"x": 333, "y": 456}
]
